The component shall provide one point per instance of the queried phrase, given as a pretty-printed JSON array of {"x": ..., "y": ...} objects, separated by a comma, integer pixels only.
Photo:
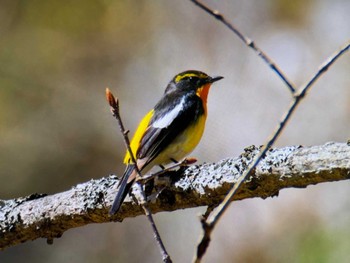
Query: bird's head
[{"x": 192, "y": 81}]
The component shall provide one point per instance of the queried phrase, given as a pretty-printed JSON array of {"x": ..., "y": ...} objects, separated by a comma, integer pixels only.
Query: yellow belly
[{"x": 184, "y": 143}]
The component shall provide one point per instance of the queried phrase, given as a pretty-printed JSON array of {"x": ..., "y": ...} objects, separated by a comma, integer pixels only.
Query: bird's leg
[
  {"x": 153, "y": 197},
  {"x": 185, "y": 162},
  {"x": 173, "y": 160},
  {"x": 157, "y": 183}
]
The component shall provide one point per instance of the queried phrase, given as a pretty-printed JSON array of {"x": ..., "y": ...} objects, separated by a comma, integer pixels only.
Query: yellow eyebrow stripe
[{"x": 180, "y": 77}]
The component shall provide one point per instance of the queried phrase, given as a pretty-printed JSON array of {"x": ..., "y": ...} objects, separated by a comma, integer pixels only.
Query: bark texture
[{"x": 49, "y": 216}]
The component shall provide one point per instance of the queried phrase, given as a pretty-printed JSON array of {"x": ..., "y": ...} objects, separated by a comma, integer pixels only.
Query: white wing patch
[{"x": 168, "y": 118}]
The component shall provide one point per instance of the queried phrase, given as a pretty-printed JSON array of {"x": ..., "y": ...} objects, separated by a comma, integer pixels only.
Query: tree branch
[{"x": 49, "y": 216}]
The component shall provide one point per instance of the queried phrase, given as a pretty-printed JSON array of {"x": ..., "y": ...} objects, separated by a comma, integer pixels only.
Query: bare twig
[
  {"x": 115, "y": 111},
  {"x": 209, "y": 224},
  {"x": 213, "y": 219},
  {"x": 250, "y": 43}
]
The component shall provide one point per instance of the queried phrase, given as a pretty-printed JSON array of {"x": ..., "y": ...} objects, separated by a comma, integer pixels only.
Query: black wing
[{"x": 155, "y": 140}]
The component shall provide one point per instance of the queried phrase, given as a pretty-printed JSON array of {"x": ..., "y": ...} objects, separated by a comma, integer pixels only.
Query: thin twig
[
  {"x": 250, "y": 43},
  {"x": 209, "y": 224},
  {"x": 323, "y": 68},
  {"x": 114, "y": 104}
]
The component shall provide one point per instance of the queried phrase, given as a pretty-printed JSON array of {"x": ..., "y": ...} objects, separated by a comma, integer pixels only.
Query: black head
[{"x": 190, "y": 80}]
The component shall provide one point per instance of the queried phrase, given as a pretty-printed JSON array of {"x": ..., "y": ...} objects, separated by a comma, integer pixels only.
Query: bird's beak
[{"x": 214, "y": 79}]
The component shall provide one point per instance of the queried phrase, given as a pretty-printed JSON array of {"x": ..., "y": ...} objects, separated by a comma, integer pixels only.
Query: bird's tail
[{"x": 124, "y": 188}]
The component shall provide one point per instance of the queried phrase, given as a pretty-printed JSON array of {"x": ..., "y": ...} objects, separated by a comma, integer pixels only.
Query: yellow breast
[{"x": 183, "y": 144}]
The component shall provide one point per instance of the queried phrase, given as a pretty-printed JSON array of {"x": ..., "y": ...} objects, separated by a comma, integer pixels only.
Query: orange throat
[{"x": 202, "y": 92}]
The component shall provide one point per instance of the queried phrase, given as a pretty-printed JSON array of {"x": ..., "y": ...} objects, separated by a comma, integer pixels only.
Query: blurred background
[{"x": 57, "y": 57}]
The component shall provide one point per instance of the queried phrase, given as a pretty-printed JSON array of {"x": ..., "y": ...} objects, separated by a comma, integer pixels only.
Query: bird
[{"x": 170, "y": 131}]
